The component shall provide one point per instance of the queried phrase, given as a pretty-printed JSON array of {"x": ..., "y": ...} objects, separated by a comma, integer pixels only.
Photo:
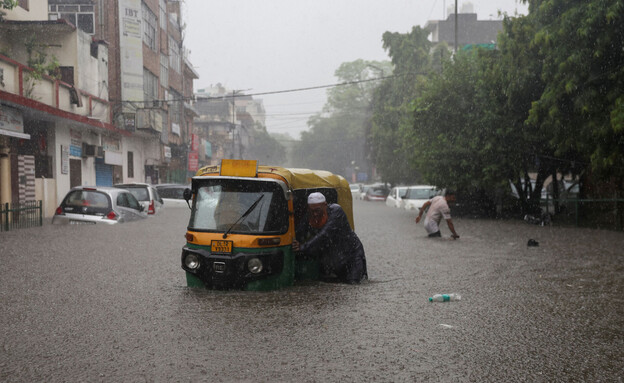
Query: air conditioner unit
[{"x": 88, "y": 150}]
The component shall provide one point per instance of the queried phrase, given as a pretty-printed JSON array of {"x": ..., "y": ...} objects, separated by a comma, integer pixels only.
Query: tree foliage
[
  {"x": 547, "y": 101},
  {"x": 392, "y": 118},
  {"x": 583, "y": 103},
  {"x": 336, "y": 138},
  {"x": 266, "y": 149}
]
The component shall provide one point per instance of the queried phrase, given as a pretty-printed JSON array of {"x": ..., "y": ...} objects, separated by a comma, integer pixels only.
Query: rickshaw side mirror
[{"x": 188, "y": 194}]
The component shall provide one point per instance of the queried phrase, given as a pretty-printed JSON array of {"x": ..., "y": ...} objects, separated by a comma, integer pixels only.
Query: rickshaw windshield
[{"x": 220, "y": 204}]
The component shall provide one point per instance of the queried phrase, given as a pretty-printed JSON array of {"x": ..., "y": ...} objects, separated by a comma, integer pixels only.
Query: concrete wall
[
  {"x": 37, "y": 10},
  {"x": 45, "y": 190},
  {"x": 61, "y": 137},
  {"x": 134, "y": 145}
]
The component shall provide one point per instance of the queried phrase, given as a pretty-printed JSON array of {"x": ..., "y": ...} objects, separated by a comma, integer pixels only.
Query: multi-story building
[
  {"x": 470, "y": 31},
  {"x": 227, "y": 121},
  {"x": 151, "y": 82},
  {"x": 56, "y": 121},
  {"x": 116, "y": 108}
]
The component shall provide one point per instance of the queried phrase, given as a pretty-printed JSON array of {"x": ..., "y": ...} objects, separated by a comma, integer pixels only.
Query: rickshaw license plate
[{"x": 221, "y": 247}]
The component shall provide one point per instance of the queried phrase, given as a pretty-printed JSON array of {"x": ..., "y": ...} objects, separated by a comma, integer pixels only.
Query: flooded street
[{"x": 111, "y": 304}]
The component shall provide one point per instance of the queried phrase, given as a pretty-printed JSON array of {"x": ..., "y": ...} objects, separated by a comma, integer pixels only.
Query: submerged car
[
  {"x": 355, "y": 191},
  {"x": 172, "y": 194},
  {"x": 395, "y": 198},
  {"x": 94, "y": 204},
  {"x": 376, "y": 193},
  {"x": 416, "y": 196},
  {"x": 146, "y": 194}
]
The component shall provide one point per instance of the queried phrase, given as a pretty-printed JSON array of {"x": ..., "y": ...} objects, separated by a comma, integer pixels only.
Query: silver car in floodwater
[
  {"x": 95, "y": 204},
  {"x": 146, "y": 194},
  {"x": 172, "y": 195}
]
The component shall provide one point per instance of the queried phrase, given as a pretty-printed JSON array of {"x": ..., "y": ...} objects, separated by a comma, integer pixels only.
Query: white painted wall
[{"x": 61, "y": 137}]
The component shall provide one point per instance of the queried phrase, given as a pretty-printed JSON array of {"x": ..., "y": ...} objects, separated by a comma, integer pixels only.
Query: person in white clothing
[{"x": 438, "y": 209}]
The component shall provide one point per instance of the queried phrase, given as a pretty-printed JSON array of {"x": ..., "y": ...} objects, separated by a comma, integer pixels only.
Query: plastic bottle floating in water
[{"x": 445, "y": 297}]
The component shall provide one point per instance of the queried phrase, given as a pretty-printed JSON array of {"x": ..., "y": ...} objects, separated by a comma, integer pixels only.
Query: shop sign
[
  {"x": 111, "y": 143},
  {"x": 11, "y": 119},
  {"x": 175, "y": 128},
  {"x": 75, "y": 143},
  {"x": 131, "y": 49},
  {"x": 194, "y": 142},
  {"x": 113, "y": 158},
  {"x": 64, "y": 159},
  {"x": 129, "y": 121},
  {"x": 167, "y": 150},
  {"x": 193, "y": 161}
]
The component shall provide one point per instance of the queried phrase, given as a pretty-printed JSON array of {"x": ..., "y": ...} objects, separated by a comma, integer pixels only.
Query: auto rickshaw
[{"x": 243, "y": 220}]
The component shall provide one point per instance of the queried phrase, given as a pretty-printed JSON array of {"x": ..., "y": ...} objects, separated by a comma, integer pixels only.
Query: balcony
[{"x": 19, "y": 88}]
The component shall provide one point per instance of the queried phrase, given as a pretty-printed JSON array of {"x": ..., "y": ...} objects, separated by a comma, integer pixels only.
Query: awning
[{"x": 11, "y": 133}]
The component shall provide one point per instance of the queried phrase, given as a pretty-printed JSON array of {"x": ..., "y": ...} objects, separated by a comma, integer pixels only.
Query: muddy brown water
[{"x": 110, "y": 304}]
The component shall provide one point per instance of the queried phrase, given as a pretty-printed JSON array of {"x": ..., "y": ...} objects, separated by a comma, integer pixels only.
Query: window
[
  {"x": 164, "y": 70},
  {"x": 150, "y": 86},
  {"x": 23, "y": 4},
  {"x": 174, "y": 55},
  {"x": 175, "y": 106},
  {"x": 81, "y": 15},
  {"x": 150, "y": 28},
  {"x": 85, "y": 22},
  {"x": 130, "y": 165},
  {"x": 163, "y": 15}
]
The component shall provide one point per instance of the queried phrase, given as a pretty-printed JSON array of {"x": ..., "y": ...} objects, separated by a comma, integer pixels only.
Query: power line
[{"x": 229, "y": 96}]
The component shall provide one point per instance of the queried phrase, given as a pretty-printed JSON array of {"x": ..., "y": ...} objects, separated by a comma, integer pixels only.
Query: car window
[
  {"x": 173, "y": 193},
  {"x": 87, "y": 198},
  {"x": 132, "y": 202},
  {"x": 420, "y": 194},
  {"x": 122, "y": 200},
  {"x": 139, "y": 193},
  {"x": 156, "y": 195}
]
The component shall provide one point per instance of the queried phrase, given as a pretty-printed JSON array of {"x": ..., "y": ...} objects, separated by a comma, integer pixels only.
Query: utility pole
[{"x": 456, "y": 25}]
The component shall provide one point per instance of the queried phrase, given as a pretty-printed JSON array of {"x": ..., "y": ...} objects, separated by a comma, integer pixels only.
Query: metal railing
[
  {"x": 19, "y": 215},
  {"x": 601, "y": 213}
]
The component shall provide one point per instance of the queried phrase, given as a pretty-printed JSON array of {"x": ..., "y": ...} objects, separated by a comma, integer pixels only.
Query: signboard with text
[
  {"x": 131, "y": 52},
  {"x": 194, "y": 142},
  {"x": 193, "y": 161}
]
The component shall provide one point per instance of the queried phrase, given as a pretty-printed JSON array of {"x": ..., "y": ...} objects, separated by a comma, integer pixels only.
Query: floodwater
[{"x": 110, "y": 304}]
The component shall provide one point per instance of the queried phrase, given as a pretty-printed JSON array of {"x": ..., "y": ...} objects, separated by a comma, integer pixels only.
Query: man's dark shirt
[{"x": 339, "y": 248}]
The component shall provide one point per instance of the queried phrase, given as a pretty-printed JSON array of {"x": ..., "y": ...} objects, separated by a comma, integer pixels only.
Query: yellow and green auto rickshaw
[{"x": 242, "y": 225}]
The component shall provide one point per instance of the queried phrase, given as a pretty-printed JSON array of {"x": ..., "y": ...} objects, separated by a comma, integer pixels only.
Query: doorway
[{"x": 75, "y": 173}]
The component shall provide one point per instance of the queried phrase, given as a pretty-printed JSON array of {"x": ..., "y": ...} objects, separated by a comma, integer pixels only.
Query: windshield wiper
[{"x": 245, "y": 214}]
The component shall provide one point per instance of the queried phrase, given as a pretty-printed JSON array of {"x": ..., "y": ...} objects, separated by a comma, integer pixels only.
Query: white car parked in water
[
  {"x": 395, "y": 198},
  {"x": 416, "y": 196}
]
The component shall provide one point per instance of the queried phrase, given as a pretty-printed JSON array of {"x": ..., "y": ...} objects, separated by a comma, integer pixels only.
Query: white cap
[{"x": 316, "y": 198}]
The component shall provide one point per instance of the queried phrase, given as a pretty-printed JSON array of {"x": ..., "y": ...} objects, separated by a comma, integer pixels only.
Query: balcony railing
[{"x": 16, "y": 78}]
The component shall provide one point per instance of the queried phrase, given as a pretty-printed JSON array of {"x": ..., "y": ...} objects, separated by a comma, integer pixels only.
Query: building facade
[
  {"x": 93, "y": 92},
  {"x": 55, "y": 117},
  {"x": 469, "y": 30},
  {"x": 227, "y": 121}
]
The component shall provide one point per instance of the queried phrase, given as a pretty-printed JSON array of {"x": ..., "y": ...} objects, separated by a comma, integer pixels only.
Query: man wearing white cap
[{"x": 339, "y": 248}]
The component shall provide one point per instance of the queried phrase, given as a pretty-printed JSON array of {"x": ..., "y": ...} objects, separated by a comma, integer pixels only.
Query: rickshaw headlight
[
  {"x": 254, "y": 265},
  {"x": 191, "y": 261}
]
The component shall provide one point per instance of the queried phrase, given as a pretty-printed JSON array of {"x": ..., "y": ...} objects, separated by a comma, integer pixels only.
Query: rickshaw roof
[{"x": 299, "y": 178}]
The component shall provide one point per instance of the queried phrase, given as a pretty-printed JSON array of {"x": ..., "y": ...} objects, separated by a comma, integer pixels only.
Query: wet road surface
[{"x": 110, "y": 304}]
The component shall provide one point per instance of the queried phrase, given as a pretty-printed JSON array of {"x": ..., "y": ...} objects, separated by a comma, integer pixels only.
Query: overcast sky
[{"x": 275, "y": 45}]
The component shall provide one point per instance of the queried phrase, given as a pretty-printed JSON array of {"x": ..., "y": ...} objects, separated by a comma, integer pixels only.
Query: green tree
[
  {"x": 336, "y": 138},
  {"x": 583, "y": 103},
  {"x": 6, "y": 4},
  {"x": 392, "y": 105}
]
